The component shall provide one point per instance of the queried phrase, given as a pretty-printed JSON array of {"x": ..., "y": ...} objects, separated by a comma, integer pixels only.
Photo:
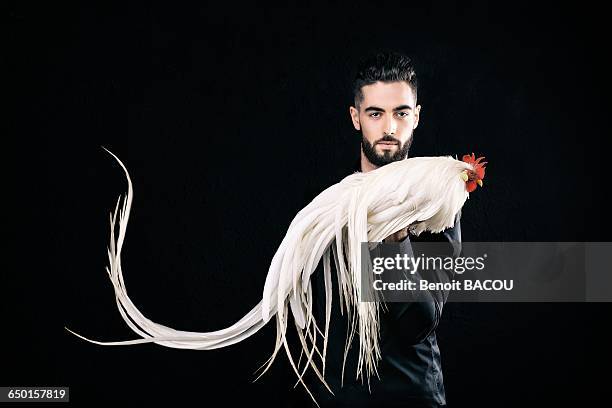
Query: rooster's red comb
[{"x": 479, "y": 166}]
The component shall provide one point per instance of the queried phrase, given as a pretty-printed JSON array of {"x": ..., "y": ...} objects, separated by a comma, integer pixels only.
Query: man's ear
[
  {"x": 355, "y": 117},
  {"x": 417, "y": 113}
]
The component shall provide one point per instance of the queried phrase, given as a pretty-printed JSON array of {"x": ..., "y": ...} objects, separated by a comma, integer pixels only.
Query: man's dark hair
[{"x": 389, "y": 66}]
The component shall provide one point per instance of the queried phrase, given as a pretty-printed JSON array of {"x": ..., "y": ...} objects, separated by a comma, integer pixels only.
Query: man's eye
[
  {"x": 402, "y": 114},
  {"x": 375, "y": 114}
]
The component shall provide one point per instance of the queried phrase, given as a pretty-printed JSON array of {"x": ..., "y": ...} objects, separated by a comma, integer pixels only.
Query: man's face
[{"x": 387, "y": 118}]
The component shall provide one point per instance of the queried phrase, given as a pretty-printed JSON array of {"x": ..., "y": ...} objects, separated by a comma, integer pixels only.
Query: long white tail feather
[{"x": 422, "y": 193}]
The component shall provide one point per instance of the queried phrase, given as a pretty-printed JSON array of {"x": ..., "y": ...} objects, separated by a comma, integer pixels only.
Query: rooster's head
[{"x": 475, "y": 174}]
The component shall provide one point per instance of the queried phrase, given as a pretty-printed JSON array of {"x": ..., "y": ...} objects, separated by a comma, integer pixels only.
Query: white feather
[{"x": 422, "y": 193}]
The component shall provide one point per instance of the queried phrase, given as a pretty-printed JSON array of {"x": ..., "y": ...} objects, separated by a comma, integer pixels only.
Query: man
[{"x": 386, "y": 114}]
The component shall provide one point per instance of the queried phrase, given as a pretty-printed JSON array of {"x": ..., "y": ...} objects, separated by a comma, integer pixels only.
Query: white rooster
[{"x": 421, "y": 193}]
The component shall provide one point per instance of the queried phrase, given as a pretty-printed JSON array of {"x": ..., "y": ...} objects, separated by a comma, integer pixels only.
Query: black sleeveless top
[{"x": 410, "y": 370}]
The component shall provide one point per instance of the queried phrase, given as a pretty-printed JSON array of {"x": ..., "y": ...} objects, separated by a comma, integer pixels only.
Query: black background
[{"x": 229, "y": 119}]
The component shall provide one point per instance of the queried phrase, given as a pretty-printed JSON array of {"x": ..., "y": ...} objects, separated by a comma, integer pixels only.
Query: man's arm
[
  {"x": 397, "y": 236},
  {"x": 452, "y": 235}
]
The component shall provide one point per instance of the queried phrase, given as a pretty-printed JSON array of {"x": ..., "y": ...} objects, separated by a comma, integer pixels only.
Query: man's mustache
[{"x": 387, "y": 138}]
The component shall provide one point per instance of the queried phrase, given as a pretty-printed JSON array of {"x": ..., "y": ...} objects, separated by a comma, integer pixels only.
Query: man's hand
[{"x": 397, "y": 236}]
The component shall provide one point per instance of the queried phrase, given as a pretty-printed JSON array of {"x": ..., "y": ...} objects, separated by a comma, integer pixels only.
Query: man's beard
[{"x": 387, "y": 156}]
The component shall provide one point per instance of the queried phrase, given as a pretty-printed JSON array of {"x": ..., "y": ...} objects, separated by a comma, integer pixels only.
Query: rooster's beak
[{"x": 479, "y": 181}]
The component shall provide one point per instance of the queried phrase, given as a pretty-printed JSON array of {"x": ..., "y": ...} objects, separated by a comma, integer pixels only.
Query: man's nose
[{"x": 391, "y": 127}]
